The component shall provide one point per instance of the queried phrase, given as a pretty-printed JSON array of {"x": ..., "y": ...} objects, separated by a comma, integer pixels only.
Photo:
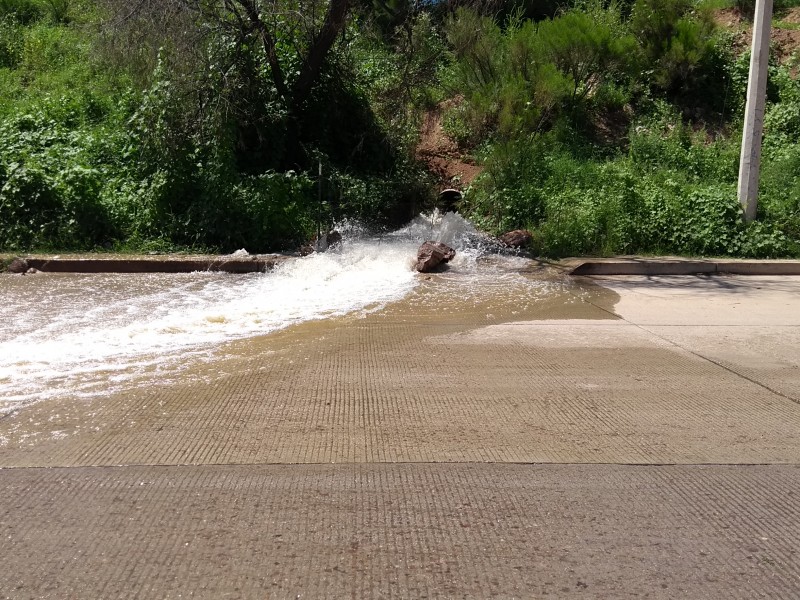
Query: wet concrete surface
[{"x": 612, "y": 437}]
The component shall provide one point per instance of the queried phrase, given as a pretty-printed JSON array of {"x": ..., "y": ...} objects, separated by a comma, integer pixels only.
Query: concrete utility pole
[{"x": 750, "y": 161}]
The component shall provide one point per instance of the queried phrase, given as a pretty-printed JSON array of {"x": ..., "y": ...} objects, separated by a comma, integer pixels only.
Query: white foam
[{"x": 88, "y": 334}]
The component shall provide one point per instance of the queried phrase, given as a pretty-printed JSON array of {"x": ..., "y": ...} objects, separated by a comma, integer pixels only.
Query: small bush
[
  {"x": 11, "y": 43},
  {"x": 58, "y": 11},
  {"x": 684, "y": 56},
  {"x": 674, "y": 193},
  {"x": 782, "y": 119},
  {"x": 664, "y": 142},
  {"x": 30, "y": 212},
  {"x": 23, "y": 12}
]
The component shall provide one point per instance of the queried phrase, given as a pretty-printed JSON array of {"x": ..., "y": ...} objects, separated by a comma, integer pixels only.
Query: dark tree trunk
[
  {"x": 296, "y": 95},
  {"x": 335, "y": 20}
]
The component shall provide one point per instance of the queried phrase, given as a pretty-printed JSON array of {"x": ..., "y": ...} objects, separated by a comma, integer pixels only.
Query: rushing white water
[{"x": 88, "y": 334}]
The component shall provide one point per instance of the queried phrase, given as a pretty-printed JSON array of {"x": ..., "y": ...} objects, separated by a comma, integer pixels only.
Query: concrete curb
[
  {"x": 642, "y": 266},
  {"x": 265, "y": 263},
  {"x": 254, "y": 264}
]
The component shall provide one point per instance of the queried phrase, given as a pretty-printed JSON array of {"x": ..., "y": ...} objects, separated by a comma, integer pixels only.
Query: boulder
[
  {"x": 334, "y": 239},
  {"x": 18, "y": 265},
  {"x": 519, "y": 238},
  {"x": 326, "y": 241},
  {"x": 433, "y": 254}
]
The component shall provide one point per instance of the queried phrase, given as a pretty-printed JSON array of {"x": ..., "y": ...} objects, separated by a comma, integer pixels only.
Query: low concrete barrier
[
  {"x": 686, "y": 267},
  {"x": 154, "y": 265}
]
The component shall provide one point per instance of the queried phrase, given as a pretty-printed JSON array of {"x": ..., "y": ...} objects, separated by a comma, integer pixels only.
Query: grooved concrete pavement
[
  {"x": 402, "y": 531},
  {"x": 221, "y": 485}
]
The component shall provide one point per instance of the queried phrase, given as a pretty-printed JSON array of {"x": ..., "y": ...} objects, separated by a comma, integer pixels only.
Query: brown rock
[
  {"x": 433, "y": 254},
  {"x": 18, "y": 265},
  {"x": 334, "y": 238},
  {"x": 326, "y": 241},
  {"x": 519, "y": 238}
]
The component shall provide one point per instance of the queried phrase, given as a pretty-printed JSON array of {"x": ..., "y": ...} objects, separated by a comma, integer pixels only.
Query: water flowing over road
[{"x": 87, "y": 334}]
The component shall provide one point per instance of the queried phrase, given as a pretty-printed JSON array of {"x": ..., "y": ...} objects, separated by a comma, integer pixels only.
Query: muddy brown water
[{"x": 391, "y": 339}]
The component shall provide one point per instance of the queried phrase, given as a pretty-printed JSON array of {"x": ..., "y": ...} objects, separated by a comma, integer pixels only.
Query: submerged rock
[
  {"x": 519, "y": 238},
  {"x": 334, "y": 239},
  {"x": 18, "y": 265},
  {"x": 327, "y": 241},
  {"x": 433, "y": 254}
]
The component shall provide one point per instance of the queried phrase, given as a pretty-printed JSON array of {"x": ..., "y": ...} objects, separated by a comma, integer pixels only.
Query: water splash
[{"x": 89, "y": 334}]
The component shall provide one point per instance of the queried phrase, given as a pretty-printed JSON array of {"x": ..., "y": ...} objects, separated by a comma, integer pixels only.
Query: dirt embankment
[
  {"x": 785, "y": 40},
  {"x": 453, "y": 168},
  {"x": 445, "y": 160}
]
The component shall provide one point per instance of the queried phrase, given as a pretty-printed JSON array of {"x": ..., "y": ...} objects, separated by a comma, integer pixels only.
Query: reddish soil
[
  {"x": 785, "y": 42},
  {"x": 454, "y": 168},
  {"x": 445, "y": 160}
]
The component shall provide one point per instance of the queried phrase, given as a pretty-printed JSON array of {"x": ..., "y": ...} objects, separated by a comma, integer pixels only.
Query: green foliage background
[{"x": 605, "y": 127}]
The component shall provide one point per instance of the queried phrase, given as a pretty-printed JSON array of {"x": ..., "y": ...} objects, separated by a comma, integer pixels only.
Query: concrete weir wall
[
  {"x": 156, "y": 264},
  {"x": 262, "y": 263},
  {"x": 681, "y": 266}
]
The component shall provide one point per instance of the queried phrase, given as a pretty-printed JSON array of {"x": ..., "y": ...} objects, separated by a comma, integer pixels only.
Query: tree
[
  {"x": 318, "y": 43},
  {"x": 230, "y": 44}
]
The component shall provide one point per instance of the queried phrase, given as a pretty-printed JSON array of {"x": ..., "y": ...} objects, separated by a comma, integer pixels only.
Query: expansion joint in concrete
[{"x": 701, "y": 356}]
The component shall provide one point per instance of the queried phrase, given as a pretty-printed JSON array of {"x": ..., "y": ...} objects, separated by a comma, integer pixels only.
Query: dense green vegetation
[{"x": 604, "y": 127}]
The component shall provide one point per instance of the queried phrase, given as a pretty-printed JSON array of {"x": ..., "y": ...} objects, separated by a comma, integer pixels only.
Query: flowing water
[{"x": 88, "y": 334}]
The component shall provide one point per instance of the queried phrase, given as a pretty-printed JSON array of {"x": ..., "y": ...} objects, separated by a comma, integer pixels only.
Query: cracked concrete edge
[{"x": 636, "y": 265}]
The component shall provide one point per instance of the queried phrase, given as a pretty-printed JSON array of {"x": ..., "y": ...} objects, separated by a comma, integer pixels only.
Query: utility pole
[{"x": 750, "y": 160}]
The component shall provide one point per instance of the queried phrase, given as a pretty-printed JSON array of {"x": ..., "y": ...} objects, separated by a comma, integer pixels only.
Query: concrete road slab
[
  {"x": 443, "y": 409},
  {"x": 748, "y": 325},
  {"x": 400, "y": 531},
  {"x": 706, "y": 300},
  {"x": 418, "y": 384}
]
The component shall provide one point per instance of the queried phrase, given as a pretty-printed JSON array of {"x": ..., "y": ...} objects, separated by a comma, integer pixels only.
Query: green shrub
[
  {"x": 779, "y": 200},
  {"x": 586, "y": 49},
  {"x": 11, "y": 43},
  {"x": 664, "y": 142},
  {"x": 782, "y": 118},
  {"x": 674, "y": 193},
  {"x": 38, "y": 210},
  {"x": 30, "y": 212},
  {"x": 264, "y": 212},
  {"x": 707, "y": 222},
  {"x": 763, "y": 240},
  {"x": 517, "y": 81},
  {"x": 86, "y": 222},
  {"x": 683, "y": 55},
  {"x": 23, "y": 12},
  {"x": 58, "y": 11}
]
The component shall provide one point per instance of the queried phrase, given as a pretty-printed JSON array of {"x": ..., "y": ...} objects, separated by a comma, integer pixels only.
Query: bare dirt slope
[
  {"x": 785, "y": 41},
  {"x": 445, "y": 160}
]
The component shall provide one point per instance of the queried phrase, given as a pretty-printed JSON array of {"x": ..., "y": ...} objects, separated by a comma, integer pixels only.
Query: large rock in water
[
  {"x": 323, "y": 243},
  {"x": 18, "y": 265},
  {"x": 519, "y": 238},
  {"x": 432, "y": 254}
]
